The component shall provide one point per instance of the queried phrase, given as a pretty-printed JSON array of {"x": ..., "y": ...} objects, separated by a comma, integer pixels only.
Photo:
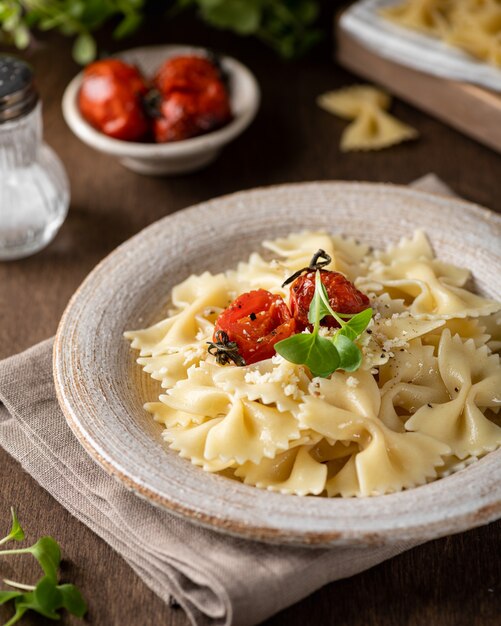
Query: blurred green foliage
[{"x": 286, "y": 25}]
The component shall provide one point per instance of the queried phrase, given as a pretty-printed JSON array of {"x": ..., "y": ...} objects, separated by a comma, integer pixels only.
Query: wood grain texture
[{"x": 449, "y": 582}]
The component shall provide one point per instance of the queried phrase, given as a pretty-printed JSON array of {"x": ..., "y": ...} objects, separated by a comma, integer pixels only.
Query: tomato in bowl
[{"x": 172, "y": 157}]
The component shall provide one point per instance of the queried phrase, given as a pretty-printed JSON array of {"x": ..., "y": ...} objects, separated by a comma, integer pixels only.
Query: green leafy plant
[
  {"x": 47, "y": 597},
  {"x": 287, "y": 25},
  {"x": 324, "y": 355}
]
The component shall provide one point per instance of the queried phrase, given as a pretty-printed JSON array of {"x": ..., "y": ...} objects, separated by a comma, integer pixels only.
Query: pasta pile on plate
[
  {"x": 472, "y": 25},
  {"x": 423, "y": 404},
  {"x": 372, "y": 128}
]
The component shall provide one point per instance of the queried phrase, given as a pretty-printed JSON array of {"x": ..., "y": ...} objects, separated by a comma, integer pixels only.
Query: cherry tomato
[
  {"x": 256, "y": 321},
  {"x": 110, "y": 99},
  {"x": 193, "y": 99},
  {"x": 185, "y": 73},
  {"x": 344, "y": 297}
]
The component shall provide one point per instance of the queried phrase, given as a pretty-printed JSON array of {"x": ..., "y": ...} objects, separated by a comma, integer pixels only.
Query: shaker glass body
[{"x": 34, "y": 189}]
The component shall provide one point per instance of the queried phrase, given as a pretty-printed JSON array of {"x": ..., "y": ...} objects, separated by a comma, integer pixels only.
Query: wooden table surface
[{"x": 452, "y": 581}]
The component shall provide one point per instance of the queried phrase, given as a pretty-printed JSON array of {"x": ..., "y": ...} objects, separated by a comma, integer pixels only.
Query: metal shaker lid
[{"x": 18, "y": 95}]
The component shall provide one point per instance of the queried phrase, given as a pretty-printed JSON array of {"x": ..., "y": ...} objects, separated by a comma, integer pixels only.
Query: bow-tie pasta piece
[
  {"x": 355, "y": 392},
  {"x": 409, "y": 381},
  {"x": 251, "y": 431},
  {"x": 295, "y": 251},
  {"x": 466, "y": 328},
  {"x": 386, "y": 461},
  {"x": 196, "y": 295},
  {"x": 170, "y": 417},
  {"x": 273, "y": 381},
  {"x": 372, "y": 127},
  {"x": 472, "y": 377},
  {"x": 172, "y": 367},
  {"x": 407, "y": 249},
  {"x": 492, "y": 326},
  {"x": 293, "y": 472},
  {"x": 350, "y": 102},
  {"x": 189, "y": 441},
  {"x": 240, "y": 429},
  {"x": 430, "y": 289},
  {"x": 375, "y": 129},
  {"x": 197, "y": 393},
  {"x": 256, "y": 273}
]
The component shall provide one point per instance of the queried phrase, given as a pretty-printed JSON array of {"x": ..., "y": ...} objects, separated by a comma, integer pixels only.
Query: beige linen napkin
[{"x": 218, "y": 580}]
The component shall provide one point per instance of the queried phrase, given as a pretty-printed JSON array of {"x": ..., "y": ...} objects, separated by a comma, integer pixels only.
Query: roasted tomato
[
  {"x": 192, "y": 99},
  {"x": 344, "y": 297},
  {"x": 256, "y": 321},
  {"x": 185, "y": 73},
  {"x": 110, "y": 99}
]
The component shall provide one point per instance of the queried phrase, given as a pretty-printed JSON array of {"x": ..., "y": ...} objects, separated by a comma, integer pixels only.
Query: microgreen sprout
[
  {"x": 16, "y": 532},
  {"x": 324, "y": 355},
  {"x": 47, "y": 597}
]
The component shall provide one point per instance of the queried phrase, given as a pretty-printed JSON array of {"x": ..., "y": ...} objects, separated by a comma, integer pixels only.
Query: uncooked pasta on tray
[{"x": 322, "y": 367}]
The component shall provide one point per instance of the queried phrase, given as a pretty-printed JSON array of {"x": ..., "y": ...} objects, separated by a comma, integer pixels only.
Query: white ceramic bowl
[{"x": 180, "y": 156}]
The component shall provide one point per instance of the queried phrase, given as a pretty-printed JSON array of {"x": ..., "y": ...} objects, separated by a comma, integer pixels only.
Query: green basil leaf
[
  {"x": 296, "y": 348},
  {"x": 323, "y": 358},
  {"x": 349, "y": 353},
  {"x": 317, "y": 353},
  {"x": 358, "y": 323},
  {"x": 319, "y": 305},
  {"x": 16, "y": 532},
  {"x": 72, "y": 600},
  {"x": 6, "y": 596},
  {"x": 45, "y": 599},
  {"x": 47, "y": 552}
]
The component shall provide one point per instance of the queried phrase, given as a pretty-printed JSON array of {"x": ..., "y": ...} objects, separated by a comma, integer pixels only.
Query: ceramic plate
[{"x": 101, "y": 390}]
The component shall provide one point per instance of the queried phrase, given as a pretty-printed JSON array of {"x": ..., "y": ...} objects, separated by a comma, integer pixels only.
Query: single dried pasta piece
[
  {"x": 256, "y": 273},
  {"x": 274, "y": 381},
  {"x": 197, "y": 294},
  {"x": 294, "y": 472},
  {"x": 170, "y": 417},
  {"x": 197, "y": 394},
  {"x": 472, "y": 377},
  {"x": 429, "y": 289},
  {"x": 189, "y": 441},
  {"x": 387, "y": 461},
  {"x": 372, "y": 127},
  {"x": 249, "y": 432}
]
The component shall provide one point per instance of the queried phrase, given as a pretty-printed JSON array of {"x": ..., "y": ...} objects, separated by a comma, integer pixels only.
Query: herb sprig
[
  {"x": 47, "y": 597},
  {"x": 225, "y": 350},
  {"x": 324, "y": 355}
]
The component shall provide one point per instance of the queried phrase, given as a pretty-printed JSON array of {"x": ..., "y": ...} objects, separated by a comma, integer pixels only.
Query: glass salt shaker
[{"x": 34, "y": 188}]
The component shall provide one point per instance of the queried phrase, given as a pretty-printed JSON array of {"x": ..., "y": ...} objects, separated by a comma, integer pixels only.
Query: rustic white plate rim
[{"x": 422, "y": 513}]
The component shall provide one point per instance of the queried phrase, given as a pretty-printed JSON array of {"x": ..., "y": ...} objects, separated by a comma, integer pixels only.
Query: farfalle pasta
[
  {"x": 423, "y": 402},
  {"x": 372, "y": 128},
  {"x": 472, "y": 25}
]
